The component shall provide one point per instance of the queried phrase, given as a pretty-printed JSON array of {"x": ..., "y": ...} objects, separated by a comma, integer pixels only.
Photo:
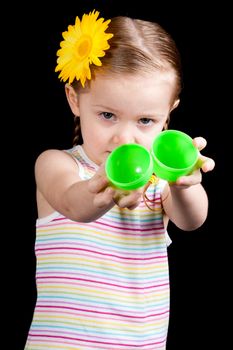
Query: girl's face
[{"x": 128, "y": 109}]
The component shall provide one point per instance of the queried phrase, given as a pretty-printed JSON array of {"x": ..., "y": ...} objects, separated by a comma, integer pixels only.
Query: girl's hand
[
  {"x": 204, "y": 164},
  {"x": 107, "y": 196}
]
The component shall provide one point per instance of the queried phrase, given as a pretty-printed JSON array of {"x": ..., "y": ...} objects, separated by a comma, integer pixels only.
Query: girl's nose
[{"x": 123, "y": 137}]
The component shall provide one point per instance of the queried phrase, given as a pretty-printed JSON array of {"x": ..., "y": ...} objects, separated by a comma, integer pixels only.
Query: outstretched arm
[
  {"x": 185, "y": 201},
  {"x": 60, "y": 188}
]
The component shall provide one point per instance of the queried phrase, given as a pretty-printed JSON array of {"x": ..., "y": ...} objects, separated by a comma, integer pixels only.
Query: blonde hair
[{"x": 136, "y": 46}]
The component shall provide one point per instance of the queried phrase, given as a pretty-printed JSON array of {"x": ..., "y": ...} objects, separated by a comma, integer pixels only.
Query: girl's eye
[
  {"x": 145, "y": 121},
  {"x": 107, "y": 115}
]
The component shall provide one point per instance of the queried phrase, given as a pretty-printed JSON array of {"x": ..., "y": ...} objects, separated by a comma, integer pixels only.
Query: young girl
[{"x": 102, "y": 267}]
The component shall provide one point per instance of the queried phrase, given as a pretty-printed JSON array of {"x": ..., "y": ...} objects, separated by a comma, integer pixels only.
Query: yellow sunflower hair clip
[{"x": 83, "y": 44}]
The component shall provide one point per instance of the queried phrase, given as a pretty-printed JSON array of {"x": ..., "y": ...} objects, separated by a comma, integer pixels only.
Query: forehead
[{"x": 148, "y": 88}]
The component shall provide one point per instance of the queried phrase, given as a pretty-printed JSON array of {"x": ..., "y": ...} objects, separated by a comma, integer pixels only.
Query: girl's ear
[
  {"x": 175, "y": 104},
  {"x": 72, "y": 99}
]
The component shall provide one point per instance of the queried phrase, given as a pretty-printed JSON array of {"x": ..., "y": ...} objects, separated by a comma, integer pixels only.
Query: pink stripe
[
  {"x": 155, "y": 226},
  {"x": 71, "y": 306},
  {"x": 119, "y": 262},
  {"x": 62, "y": 246},
  {"x": 100, "y": 253},
  {"x": 72, "y": 276},
  {"x": 152, "y": 224},
  {"x": 99, "y": 317},
  {"x": 126, "y": 228},
  {"x": 58, "y": 253},
  {"x": 159, "y": 231},
  {"x": 94, "y": 346},
  {"x": 102, "y": 313},
  {"x": 104, "y": 288},
  {"x": 62, "y": 334},
  {"x": 106, "y": 284},
  {"x": 96, "y": 342}
]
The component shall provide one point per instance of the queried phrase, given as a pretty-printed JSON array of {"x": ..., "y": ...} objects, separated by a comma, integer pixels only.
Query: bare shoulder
[
  {"x": 54, "y": 158},
  {"x": 55, "y": 167},
  {"x": 55, "y": 171}
]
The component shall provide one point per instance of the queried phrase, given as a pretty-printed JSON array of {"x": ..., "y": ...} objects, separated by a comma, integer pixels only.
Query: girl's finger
[
  {"x": 189, "y": 180},
  {"x": 199, "y": 142},
  {"x": 208, "y": 164},
  {"x": 104, "y": 198},
  {"x": 129, "y": 201}
]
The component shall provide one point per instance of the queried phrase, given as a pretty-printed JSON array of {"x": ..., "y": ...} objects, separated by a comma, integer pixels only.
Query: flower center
[{"x": 84, "y": 47}]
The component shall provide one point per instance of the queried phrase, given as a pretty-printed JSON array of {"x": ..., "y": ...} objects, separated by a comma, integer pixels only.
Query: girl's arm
[
  {"x": 59, "y": 188},
  {"x": 185, "y": 202}
]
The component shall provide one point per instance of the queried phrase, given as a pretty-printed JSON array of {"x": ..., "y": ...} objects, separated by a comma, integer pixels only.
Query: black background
[{"x": 42, "y": 120}]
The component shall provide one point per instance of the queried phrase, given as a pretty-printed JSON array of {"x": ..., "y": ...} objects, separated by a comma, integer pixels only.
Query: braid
[
  {"x": 167, "y": 123},
  {"x": 77, "y": 139}
]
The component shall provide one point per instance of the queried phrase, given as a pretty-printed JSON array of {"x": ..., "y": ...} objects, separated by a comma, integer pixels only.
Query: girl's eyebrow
[{"x": 107, "y": 108}]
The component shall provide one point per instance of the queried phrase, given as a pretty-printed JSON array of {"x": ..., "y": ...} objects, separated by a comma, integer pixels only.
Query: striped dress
[{"x": 104, "y": 284}]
